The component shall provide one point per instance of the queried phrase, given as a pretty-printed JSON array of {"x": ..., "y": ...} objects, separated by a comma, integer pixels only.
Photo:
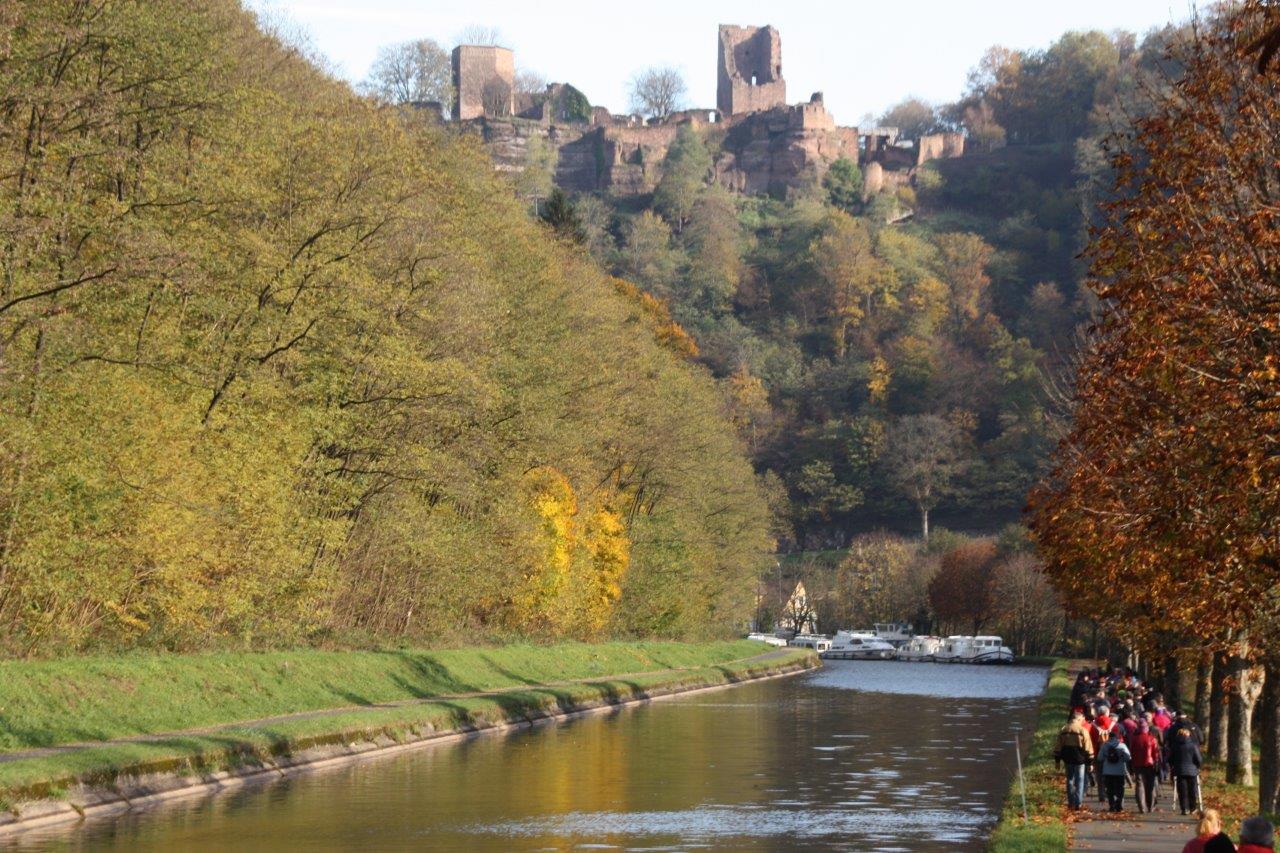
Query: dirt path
[
  {"x": 38, "y": 752},
  {"x": 1155, "y": 832}
]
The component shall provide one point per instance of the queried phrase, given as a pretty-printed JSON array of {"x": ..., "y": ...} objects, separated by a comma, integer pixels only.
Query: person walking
[
  {"x": 1075, "y": 751},
  {"x": 1257, "y": 835},
  {"x": 1208, "y": 830},
  {"x": 1114, "y": 760},
  {"x": 1103, "y": 725},
  {"x": 1184, "y": 762},
  {"x": 1145, "y": 751}
]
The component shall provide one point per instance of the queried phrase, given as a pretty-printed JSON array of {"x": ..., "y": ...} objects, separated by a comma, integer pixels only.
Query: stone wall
[
  {"x": 939, "y": 146},
  {"x": 749, "y": 70},
  {"x": 483, "y": 81}
]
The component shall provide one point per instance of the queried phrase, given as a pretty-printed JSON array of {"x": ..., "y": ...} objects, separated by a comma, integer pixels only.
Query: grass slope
[
  {"x": 44, "y": 703},
  {"x": 1044, "y": 830},
  {"x": 250, "y": 744}
]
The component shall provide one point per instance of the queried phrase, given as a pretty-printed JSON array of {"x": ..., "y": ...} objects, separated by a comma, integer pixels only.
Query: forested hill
[
  {"x": 278, "y": 365},
  {"x": 882, "y": 371}
]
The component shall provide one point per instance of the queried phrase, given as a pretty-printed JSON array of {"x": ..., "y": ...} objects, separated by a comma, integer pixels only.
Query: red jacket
[
  {"x": 1196, "y": 845},
  {"x": 1098, "y": 734},
  {"x": 1145, "y": 750},
  {"x": 1254, "y": 848}
]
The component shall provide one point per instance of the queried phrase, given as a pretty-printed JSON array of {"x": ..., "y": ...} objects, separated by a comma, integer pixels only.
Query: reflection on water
[{"x": 858, "y": 756}]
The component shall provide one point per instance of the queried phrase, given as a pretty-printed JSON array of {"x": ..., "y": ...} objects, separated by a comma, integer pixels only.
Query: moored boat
[
  {"x": 980, "y": 649},
  {"x": 896, "y": 634},
  {"x": 858, "y": 645},
  {"x": 920, "y": 649},
  {"x": 771, "y": 639},
  {"x": 817, "y": 642}
]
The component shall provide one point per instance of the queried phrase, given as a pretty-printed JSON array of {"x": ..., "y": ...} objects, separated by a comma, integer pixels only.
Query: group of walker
[{"x": 1120, "y": 734}]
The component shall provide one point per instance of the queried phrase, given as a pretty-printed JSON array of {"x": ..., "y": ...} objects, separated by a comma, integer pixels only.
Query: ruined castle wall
[
  {"x": 483, "y": 81},
  {"x": 749, "y": 70},
  {"x": 936, "y": 146}
]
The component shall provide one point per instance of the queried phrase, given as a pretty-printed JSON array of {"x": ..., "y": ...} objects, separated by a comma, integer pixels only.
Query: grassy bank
[
  {"x": 95, "y": 699},
  {"x": 43, "y": 703},
  {"x": 1044, "y": 830}
]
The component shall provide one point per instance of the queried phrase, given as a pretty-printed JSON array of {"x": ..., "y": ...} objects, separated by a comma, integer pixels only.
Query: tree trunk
[
  {"x": 1172, "y": 683},
  {"x": 924, "y": 523},
  {"x": 1269, "y": 762},
  {"x": 1239, "y": 730},
  {"x": 1218, "y": 711},
  {"x": 1204, "y": 687}
]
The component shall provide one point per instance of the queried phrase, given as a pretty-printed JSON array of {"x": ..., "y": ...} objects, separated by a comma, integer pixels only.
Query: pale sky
[{"x": 864, "y": 55}]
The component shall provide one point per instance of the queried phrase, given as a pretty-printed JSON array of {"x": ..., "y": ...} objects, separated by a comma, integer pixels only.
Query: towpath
[
  {"x": 1159, "y": 831},
  {"x": 151, "y": 737}
]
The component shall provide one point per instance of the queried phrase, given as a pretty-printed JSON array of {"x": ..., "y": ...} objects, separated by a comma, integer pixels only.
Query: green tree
[
  {"x": 411, "y": 72},
  {"x": 647, "y": 256},
  {"x": 714, "y": 243},
  {"x": 685, "y": 172},
  {"x": 843, "y": 183},
  {"x": 923, "y": 458},
  {"x": 913, "y": 118},
  {"x": 562, "y": 216}
]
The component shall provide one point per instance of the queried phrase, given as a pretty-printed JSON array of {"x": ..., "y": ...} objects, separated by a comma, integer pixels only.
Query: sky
[{"x": 864, "y": 55}]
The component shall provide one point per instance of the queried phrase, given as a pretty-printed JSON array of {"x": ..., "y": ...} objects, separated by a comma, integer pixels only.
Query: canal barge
[
  {"x": 858, "y": 645},
  {"x": 980, "y": 649},
  {"x": 921, "y": 649}
]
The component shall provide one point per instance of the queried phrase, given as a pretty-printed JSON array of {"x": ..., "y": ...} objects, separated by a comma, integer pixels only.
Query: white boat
[
  {"x": 991, "y": 649},
  {"x": 771, "y": 639},
  {"x": 897, "y": 634},
  {"x": 858, "y": 645},
  {"x": 817, "y": 642},
  {"x": 981, "y": 649},
  {"x": 923, "y": 648}
]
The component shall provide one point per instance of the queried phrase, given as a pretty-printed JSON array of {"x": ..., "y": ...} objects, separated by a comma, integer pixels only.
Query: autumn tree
[
  {"x": 963, "y": 590},
  {"x": 1027, "y": 605},
  {"x": 962, "y": 264},
  {"x": 872, "y": 582},
  {"x": 1166, "y": 481},
  {"x": 851, "y": 274}
]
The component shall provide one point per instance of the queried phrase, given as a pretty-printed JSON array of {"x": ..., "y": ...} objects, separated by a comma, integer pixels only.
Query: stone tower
[
  {"x": 483, "y": 81},
  {"x": 750, "y": 70}
]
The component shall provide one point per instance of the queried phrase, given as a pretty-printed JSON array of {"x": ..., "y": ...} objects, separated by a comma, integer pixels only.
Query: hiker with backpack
[
  {"x": 1114, "y": 760},
  {"x": 1075, "y": 750}
]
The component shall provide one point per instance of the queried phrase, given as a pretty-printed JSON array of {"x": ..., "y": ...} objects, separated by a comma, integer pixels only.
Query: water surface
[{"x": 860, "y": 755}]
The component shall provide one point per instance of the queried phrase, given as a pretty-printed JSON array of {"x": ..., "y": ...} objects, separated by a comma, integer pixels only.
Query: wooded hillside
[{"x": 278, "y": 366}]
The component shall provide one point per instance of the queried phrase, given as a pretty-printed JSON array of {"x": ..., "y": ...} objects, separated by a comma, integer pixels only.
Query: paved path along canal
[{"x": 880, "y": 756}]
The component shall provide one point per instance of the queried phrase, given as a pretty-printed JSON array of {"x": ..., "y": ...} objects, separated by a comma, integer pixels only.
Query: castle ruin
[
  {"x": 765, "y": 145},
  {"x": 483, "y": 82},
  {"x": 749, "y": 71}
]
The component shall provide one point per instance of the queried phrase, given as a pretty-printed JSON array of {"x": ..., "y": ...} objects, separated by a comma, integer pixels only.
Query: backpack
[{"x": 1111, "y": 753}]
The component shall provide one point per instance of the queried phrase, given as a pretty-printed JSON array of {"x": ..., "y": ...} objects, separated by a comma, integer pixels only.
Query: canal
[{"x": 881, "y": 756}]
